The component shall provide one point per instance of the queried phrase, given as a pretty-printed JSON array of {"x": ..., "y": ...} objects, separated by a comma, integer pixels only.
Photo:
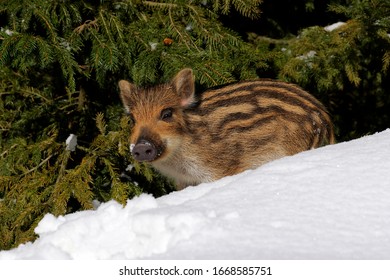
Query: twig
[{"x": 39, "y": 165}]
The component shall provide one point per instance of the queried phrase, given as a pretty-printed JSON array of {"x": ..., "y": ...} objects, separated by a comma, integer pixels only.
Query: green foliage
[
  {"x": 59, "y": 66},
  {"x": 328, "y": 58},
  {"x": 247, "y": 8},
  {"x": 347, "y": 68}
]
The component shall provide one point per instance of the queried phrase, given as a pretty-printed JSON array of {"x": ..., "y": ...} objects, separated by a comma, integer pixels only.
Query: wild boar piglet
[{"x": 195, "y": 138}]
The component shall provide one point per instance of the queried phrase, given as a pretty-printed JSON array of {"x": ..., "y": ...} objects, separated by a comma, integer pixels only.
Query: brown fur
[{"x": 228, "y": 130}]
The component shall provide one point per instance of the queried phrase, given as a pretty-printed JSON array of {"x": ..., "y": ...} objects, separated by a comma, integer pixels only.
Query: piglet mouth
[{"x": 145, "y": 151}]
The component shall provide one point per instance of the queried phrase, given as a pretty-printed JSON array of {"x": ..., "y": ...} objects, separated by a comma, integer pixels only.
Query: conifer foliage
[
  {"x": 60, "y": 62},
  {"x": 347, "y": 65}
]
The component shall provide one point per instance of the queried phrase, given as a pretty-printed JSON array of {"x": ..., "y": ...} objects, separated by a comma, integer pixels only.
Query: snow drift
[{"x": 329, "y": 203}]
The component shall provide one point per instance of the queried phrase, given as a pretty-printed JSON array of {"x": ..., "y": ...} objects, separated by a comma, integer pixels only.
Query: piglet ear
[
  {"x": 184, "y": 85},
  {"x": 126, "y": 91}
]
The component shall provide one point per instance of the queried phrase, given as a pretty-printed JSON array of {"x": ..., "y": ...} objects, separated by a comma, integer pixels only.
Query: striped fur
[{"x": 224, "y": 131}]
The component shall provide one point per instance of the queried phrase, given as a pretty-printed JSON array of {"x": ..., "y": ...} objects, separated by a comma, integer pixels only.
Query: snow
[
  {"x": 307, "y": 57},
  {"x": 310, "y": 54},
  {"x": 7, "y": 31},
  {"x": 334, "y": 26},
  {"x": 71, "y": 143},
  {"x": 153, "y": 45},
  {"x": 328, "y": 203}
]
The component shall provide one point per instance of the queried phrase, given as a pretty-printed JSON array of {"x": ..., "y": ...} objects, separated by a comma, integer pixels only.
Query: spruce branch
[
  {"x": 100, "y": 123},
  {"x": 49, "y": 26},
  {"x": 160, "y": 5},
  {"x": 386, "y": 61},
  {"x": 174, "y": 27},
  {"x": 105, "y": 25},
  {"x": 63, "y": 162},
  {"x": 86, "y": 25},
  {"x": 38, "y": 166}
]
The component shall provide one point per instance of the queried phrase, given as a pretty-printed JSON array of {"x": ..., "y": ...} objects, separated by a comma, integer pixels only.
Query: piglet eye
[{"x": 166, "y": 114}]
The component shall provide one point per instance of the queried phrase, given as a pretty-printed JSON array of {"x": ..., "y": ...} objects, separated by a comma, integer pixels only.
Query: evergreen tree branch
[{"x": 38, "y": 166}]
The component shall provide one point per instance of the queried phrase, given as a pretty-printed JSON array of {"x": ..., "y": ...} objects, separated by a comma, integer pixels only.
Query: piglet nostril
[{"x": 144, "y": 151}]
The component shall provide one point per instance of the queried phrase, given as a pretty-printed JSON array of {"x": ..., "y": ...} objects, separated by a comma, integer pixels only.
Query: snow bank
[{"x": 329, "y": 203}]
